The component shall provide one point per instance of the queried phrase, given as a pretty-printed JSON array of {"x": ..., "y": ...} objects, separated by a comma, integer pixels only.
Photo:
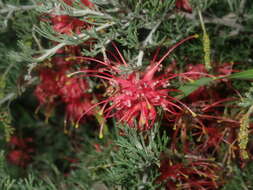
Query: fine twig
[
  {"x": 9, "y": 10},
  {"x": 37, "y": 41},
  {"x": 10, "y": 96},
  {"x": 147, "y": 41},
  {"x": 242, "y": 6},
  {"x": 49, "y": 52},
  {"x": 227, "y": 20}
]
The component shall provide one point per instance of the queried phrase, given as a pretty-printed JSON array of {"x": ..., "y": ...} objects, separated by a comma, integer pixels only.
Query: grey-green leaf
[{"x": 192, "y": 86}]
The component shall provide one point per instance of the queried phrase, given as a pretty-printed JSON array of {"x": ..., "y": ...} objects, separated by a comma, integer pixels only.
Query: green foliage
[
  {"x": 29, "y": 183},
  {"x": 134, "y": 165},
  {"x": 247, "y": 101},
  {"x": 18, "y": 20},
  {"x": 194, "y": 85},
  {"x": 242, "y": 179},
  {"x": 139, "y": 27},
  {"x": 248, "y": 74}
]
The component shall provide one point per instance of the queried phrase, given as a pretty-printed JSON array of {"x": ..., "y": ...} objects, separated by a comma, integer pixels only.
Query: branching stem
[
  {"x": 147, "y": 41},
  {"x": 11, "y": 8},
  {"x": 225, "y": 21},
  {"x": 52, "y": 51}
]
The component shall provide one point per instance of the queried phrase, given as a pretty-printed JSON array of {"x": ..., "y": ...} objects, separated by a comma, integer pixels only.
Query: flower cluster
[
  {"x": 207, "y": 125},
  {"x": 55, "y": 86},
  {"x": 136, "y": 96},
  {"x": 108, "y": 88},
  {"x": 65, "y": 24},
  {"x": 21, "y": 151}
]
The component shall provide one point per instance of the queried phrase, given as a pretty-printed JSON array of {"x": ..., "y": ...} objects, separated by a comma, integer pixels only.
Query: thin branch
[
  {"x": 52, "y": 51},
  {"x": 147, "y": 41},
  {"x": 12, "y": 95},
  {"x": 226, "y": 21},
  {"x": 37, "y": 41},
  {"x": 8, "y": 97},
  {"x": 139, "y": 58},
  {"x": 72, "y": 11},
  {"x": 75, "y": 12},
  {"x": 242, "y": 6},
  {"x": 9, "y": 8},
  {"x": 201, "y": 21}
]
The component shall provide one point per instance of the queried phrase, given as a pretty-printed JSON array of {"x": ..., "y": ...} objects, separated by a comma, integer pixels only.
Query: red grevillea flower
[
  {"x": 71, "y": 89},
  {"x": 20, "y": 143},
  {"x": 22, "y": 150},
  {"x": 76, "y": 108},
  {"x": 65, "y": 24},
  {"x": 137, "y": 95},
  {"x": 190, "y": 174},
  {"x": 55, "y": 86},
  {"x": 19, "y": 158},
  {"x": 197, "y": 71},
  {"x": 212, "y": 137},
  {"x": 47, "y": 90},
  {"x": 137, "y": 98},
  {"x": 184, "y": 5}
]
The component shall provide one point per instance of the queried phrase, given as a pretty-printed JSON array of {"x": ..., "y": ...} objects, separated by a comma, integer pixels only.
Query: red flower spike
[
  {"x": 137, "y": 95},
  {"x": 184, "y": 5}
]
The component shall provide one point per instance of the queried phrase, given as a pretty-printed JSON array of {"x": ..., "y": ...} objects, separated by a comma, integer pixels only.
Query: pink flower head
[
  {"x": 137, "y": 99},
  {"x": 137, "y": 95}
]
